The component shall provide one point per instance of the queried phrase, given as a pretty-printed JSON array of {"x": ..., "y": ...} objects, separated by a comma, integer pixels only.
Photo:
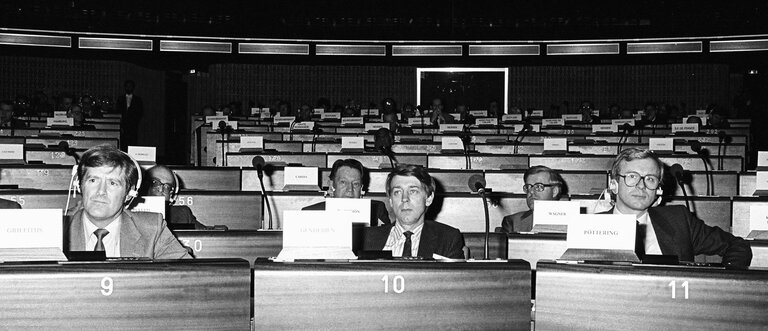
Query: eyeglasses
[
  {"x": 537, "y": 187},
  {"x": 651, "y": 182},
  {"x": 158, "y": 186}
]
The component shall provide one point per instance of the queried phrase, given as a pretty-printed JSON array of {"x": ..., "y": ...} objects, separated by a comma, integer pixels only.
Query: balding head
[{"x": 163, "y": 182}]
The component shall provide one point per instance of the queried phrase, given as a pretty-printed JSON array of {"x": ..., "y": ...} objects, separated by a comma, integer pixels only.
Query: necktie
[
  {"x": 407, "y": 244},
  {"x": 640, "y": 241},
  {"x": 100, "y": 233}
]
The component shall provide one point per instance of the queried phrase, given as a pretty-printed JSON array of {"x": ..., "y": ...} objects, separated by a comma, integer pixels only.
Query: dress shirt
[
  {"x": 651, "y": 243},
  {"x": 396, "y": 240},
  {"x": 111, "y": 240}
]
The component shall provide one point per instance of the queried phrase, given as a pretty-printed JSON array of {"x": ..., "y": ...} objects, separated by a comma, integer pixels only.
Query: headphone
[
  {"x": 74, "y": 183},
  {"x": 175, "y": 193}
]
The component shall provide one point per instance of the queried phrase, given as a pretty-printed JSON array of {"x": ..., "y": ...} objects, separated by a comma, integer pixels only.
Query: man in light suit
[
  {"x": 672, "y": 230},
  {"x": 411, "y": 191},
  {"x": 107, "y": 179}
]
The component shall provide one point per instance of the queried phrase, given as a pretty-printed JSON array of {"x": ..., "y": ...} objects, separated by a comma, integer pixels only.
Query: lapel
[
  {"x": 664, "y": 231},
  {"x": 76, "y": 232},
  {"x": 377, "y": 236},
  {"x": 427, "y": 241},
  {"x": 130, "y": 237}
]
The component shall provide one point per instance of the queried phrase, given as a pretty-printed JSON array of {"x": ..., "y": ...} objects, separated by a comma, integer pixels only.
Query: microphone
[
  {"x": 703, "y": 154},
  {"x": 465, "y": 140},
  {"x": 722, "y": 141},
  {"x": 258, "y": 163},
  {"x": 626, "y": 130},
  {"x": 316, "y": 131},
  {"x": 678, "y": 172},
  {"x": 520, "y": 136},
  {"x": 383, "y": 140},
  {"x": 69, "y": 151},
  {"x": 477, "y": 183}
]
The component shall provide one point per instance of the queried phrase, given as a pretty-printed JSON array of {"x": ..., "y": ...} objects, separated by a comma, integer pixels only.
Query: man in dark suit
[
  {"x": 8, "y": 204},
  {"x": 635, "y": 181},
  {"x": 411, "y": 191},
  {"x": 132, "y": 108},
  {"x": 541, "y": 183},
  {"x": 162, "y": 182},
  {"x": 347, "y": 181}
]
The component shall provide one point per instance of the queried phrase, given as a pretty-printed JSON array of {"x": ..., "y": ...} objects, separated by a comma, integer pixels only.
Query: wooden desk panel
[
  {"x": 235, "y": 209},
  {"x": 114, "y": 134},
  {"x": 578, "y": 182},
  {"x": 373, "y": 161},
  {"x": 465, "y": 211},
  {"x": 190, "y": 295},
  {"x": 747, "y": 183},
  {"x": 51, "y": 156},
  {"x": 74, "y": 142},
  {"x": 35, "y": 199},
  {"x": 242, "y": 244},
  {"x": 509, "y": 148},
  {"x": 233, "y": 146},
  {"x": 535, "y": 247},
  {"x": 305, "y": 159},
  {"x": 759, "y": 253},
  {"x": 599, "y": 297},
  {"x": 714, "y": 211},
  {"x": 208, "y": 178},
  {"x": 41, "y": 177},
  {"x": 497, "y": 244},
  {"x": 477, "y": 161},
  {"x": 726, "y": 184},
  {"x": 432, "y": 295},
  {"x": 282, "y": 201}
]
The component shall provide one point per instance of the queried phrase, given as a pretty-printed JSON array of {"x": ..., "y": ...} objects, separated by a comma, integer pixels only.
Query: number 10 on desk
[
  {"x": 673, "y": 285},
  {"x": 397, "y": 284}
]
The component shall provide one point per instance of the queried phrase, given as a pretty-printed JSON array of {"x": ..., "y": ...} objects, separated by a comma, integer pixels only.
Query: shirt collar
[
  {"x": 642, "y": 218},
  {"x": 416, "y": 231},
  {"x": 113, "y": 228}
]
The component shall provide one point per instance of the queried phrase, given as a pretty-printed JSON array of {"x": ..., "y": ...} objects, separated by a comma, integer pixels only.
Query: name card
[
  {"x": 353, "y": 143},
  {"x": 641, "y": 112},
  {"x": 232, "y": 124},
  {"x": 214, "y": 120},
  {"x": 556, "y": 144},
  {"x": 761, "y": 181},
  {"x": 303, "y": 126},
  {"x": 59, "y": 114},
  {"x": 602, "y": 231},
  {"x": 142, "y": 153},
  {"x": 638, "y": 117},
  {"x": 701, "y": 112},
  {"x": 330, "y": 116},
  {"x": 352, "y": 121},
  {"x": 479, "y": 113},
  {"x": 64, "y": 121},
  {"x": 555, "y": 212},
  {"x": 151, "y": 204},
  {"x": 255, "y": 111},
  {"x": 254, "y": 142},
  {"x": 620, "y": 122},
  {"x": 552, "y": 122},
  {"x": 758, "y": 217},
  {"x": 452, "y": 143},
  {"x": 677, "y": 127},
  {"x": 316, "y": 234},
  {"x": 487, "y": 121},
  {"x": 376, "y": 126},
  {"x": 762, "y": 158},
  {"x": 11, "y": 151},
  {"x": 572, "y": 117},
  {"x": 219, "y": 113},
  {"x": 596, "y": 112},
  {"x": 537, "y": 113},
  {"x": 451, "y": 128},
  {"x": 661, "y": 144},
  {"x": 512, "y": 118},
  {"x": 300, "y": 176},
  {"x": 31, "y": 228},
  {"x": 318, "y": 111},
  {"x": 604, "y": 128},
  {"x": 418, "y": 121},
  {"x": 284, "y": 119},
  {"x": 534, "y": 128},
  {"x": 370, "y": 112},
  {"x": 357, "y": 210}
]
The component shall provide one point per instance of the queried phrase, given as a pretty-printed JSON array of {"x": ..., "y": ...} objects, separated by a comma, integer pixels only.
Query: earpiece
[
  {"x": 613, "y": 185},
  {"x": 175, "y": 193}
]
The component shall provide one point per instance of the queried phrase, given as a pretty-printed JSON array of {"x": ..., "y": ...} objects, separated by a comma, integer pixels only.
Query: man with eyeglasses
[
  {"x": 162, "y": 182},
  {"x": 541, "y": 183},
  {"x": 636, "y": 177}
]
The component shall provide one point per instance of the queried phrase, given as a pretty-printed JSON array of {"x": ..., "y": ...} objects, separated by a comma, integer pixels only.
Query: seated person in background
[
  {"x": 653, "y": 116},
  {"x": 541, "y": 183},
  {"x": 438, "y": 115},
  {"x": 347, "y": 182},
  {"x": 411, "y": 191},
  {"x": 408, "y": 112},
  {"x": 717, "y": 118},
  {"x": 694, "y": 120},
  {"x": 7, "y": 118},
  {"x": 671, "y": 230},
  {"x": 106, "y": 176},
  {"x": 305, "y": 113},
  {"x": 78, "y": 118},
  {"x": 394, "y": 125},
  {"x": 162, "y": 182},
  {"x": 465, "y": 116}
]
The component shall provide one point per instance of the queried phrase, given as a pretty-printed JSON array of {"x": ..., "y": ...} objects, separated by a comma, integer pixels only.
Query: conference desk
[
  {"x": 577, "y": 181},
  {"x": 392, "y": 295},
  {"x": 604, "y": 162},
  {"x": 64, "y": 132},
  {"x": 74, "y": 142},
  {"x": 53, "y": 155},
  {"x": 32, "y": 176},
  {"x": 742, "y": 210},
  {"x": 235, "y": 209},
  {"x": 208, "y": 178},
  {"x": 188, "y": 295},
  {"x": 648, "y": 297}
]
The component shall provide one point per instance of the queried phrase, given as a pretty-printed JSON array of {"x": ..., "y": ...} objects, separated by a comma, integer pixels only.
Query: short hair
[
  {"x": 634, "y": 153},
  {"x": 412, "y": 170},
  {"x": 554, "y": 177},
  {"x": 352, "y": 163},
  {"x": 106, "y": 155}
]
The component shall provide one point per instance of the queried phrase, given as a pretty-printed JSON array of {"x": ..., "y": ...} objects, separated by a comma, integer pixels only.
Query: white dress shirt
[
  {"x": 651, "y": 242},
  {"x": 111, "y": 240},
  {"x": 128, "y": 99},
  {"x": 396, "y": 240}
]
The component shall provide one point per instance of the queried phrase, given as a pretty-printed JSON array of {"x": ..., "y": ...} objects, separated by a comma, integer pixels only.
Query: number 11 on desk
[{"x": 673, "y": 284}]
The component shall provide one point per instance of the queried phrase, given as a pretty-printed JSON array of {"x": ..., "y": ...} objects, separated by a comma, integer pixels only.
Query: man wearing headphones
[
  {"x": 671, "y": 230},
  {"x": 109, "y": 180},
  {"x": 163, "y": 182},
  {"x": 347, "y": 182}
]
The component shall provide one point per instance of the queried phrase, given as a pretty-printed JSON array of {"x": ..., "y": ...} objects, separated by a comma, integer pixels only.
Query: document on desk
[{"x": 316, "y": 235}]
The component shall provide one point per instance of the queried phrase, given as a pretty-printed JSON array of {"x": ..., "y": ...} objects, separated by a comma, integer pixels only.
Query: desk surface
[{"x": 190, "y": 295}]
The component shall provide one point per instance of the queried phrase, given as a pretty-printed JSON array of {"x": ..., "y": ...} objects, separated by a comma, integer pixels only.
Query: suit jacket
[
  {"x": 681, "y": 233},
  {"x": 141, "y": 235},
  {"x": 132, "y": 114},
  {"x": 518, "y": 222},
  {"x": 436, "y": 238},
  {"x": 182, "y": 215},
  {"x": 8, "y": 204},
  {"x": 378, "y": 211}
]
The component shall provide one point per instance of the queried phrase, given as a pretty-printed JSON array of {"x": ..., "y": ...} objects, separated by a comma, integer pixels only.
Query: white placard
[
  {"x": 661, "y": 144},
  {"x": 284, "y": 119},
  {"x": 451, "y": 143},
  {"x": 376, "y": 126},
  {"x": 255, "y": 111},
  {"x": 552, "y": 122},
  {"x": 31, "y": 228},
  {"x": 353, "y": 143},
  {"x": 254, "y": 142},
  {"x": 537, "y": 113},
  {"x": 604, "y": 128},
  {"x": 351, "y": 121},
  {"x": 370, "y": 112},
  {"x": 641, "y": 112},
  {"x": 63, "y": 121},
  {"x": 318, "y": 111},
  {"x": 11, "y": 151},
  {"x": 762, "y": 158},
  {"x": 232, "y": 124},
  {"x": 214, "y": 120},
  {"x": 265, "y": 113},
  {"x": 219, "y": 113},
  {"x": 303, "y": 126},
  {"x": 596, "y": 112},
  {"x": 300, "y": 176},
  {"x": 151, "y": 204},
  {"x": 142, "y": 153},
  {"x": 761, "y": 181},
  {"x": 534, "y": 128},
  {"x": 701, "y": 112},
  {"x": 572, "y": 117},
  {"x": 451, "y": 128},
  {"x": 677, "y": 127},
  {"x": 59, "y": 114},
  {"x": 623, "y": 121},
  {"x": 758, "y": 217},
  {"x": 555, "y": 212},
  {"x": 487, "y": 121},
  {"x": 602, "y": 231},
  {"x": 310, "y": 230},
  {"x": 512, "y": 118},
  {"x": 417, "y": 121},
  {"x": 330, "y": 116},
  {"x": 358, "y": 210},
  {"x": 479, "y": 113},
  {"x": 556, "y": 144}
]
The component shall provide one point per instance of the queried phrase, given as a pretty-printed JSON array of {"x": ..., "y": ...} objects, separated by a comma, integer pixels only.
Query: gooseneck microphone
[
  {"x": 224, "y": 129},
  {"x": 678, "y": 173},
  {"x": 520, "y": 136},
  {"x": 626, "y": 130},
  {"x": 383, "y": 140},
  {"x": 722, "y": 144},
  {"x": 258, "y": 163},
  {"x": 477, "y": 183},
  {"x": 69, "y": 151},
  {"x": 703, "y": 154}
]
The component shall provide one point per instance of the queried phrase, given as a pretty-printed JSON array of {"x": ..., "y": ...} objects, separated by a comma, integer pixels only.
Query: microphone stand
[
  {"x": 685, "y": 195},
  {"x": 486, "y": 252},
  {"x": 264, "y": 198}
]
